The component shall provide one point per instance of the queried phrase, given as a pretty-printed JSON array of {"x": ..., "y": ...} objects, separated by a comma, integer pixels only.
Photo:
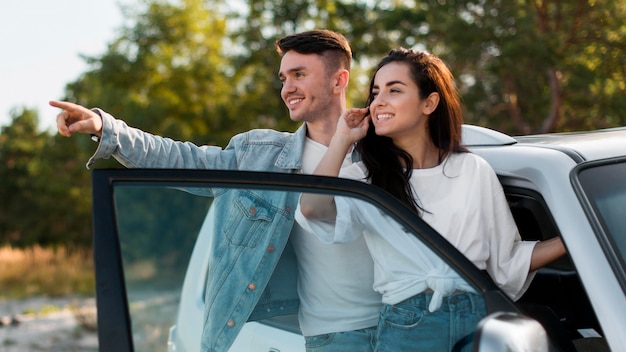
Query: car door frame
[{"x": 114, "y": 323}]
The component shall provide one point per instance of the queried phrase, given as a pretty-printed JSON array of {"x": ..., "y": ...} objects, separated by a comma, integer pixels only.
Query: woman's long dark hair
[{"x": 389, "y": 166}]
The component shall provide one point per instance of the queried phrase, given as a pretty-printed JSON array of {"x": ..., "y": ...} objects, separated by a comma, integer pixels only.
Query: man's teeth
[
  {"x": 294, "y": 101},
  {"x": 384, "y": 116}
]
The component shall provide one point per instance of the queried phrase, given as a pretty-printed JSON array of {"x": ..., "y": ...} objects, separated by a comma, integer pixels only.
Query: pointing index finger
[{"x": 63, "y": 105}]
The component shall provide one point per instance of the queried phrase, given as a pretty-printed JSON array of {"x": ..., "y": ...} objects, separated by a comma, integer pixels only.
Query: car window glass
[
  {"x": 166, "y": 232},
  {"x": 605, "y": 190},
  {"x": 157, "y": 228}
]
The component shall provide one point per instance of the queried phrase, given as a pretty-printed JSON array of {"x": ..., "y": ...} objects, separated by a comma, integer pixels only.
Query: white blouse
[{"x": 463, "y": 200}]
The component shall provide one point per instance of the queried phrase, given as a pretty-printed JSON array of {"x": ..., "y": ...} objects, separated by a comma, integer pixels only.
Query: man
[{"x": 336, "y": 305}]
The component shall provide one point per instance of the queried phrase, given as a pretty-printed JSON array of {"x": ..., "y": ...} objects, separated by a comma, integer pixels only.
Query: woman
[{"x": 411, "y": 147}]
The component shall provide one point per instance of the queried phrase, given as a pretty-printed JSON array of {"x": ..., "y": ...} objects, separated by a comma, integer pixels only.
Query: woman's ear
[{"x": 431, "y": 102}]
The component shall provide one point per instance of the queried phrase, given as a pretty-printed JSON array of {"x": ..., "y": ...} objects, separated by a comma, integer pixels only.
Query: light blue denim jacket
[{"x": 253, "y": 269}]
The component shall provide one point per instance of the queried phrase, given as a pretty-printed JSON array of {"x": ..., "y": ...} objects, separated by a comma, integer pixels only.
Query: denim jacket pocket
[{"x": 250, "y": 219}]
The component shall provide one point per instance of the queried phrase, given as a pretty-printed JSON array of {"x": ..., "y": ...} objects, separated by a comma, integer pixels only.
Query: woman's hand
[{"x": 352, "y": 125}]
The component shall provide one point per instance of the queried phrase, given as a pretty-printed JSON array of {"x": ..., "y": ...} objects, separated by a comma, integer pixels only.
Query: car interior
[{"x": 556, "y": 297}]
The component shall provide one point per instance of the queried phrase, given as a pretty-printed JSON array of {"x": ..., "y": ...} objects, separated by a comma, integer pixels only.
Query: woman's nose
[{"x": 378, "y": 100}]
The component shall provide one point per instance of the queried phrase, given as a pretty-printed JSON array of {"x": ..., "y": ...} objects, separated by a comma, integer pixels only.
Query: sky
[{"x": 40, "y": 46}]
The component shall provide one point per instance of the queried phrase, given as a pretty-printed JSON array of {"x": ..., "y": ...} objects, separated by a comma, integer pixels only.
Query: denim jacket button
[
  {"x": 270, "y": 248},
  {"x": 230, "y": 323},
  {"x": 288, "y": 209},
  {"x": 253, "y": 210},
  {"x": 252, "y": 286}
]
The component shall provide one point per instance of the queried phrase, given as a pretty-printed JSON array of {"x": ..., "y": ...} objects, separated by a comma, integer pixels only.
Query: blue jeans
[
  {"x": 409, "y": 326},
  {"x": 353, "y": 341}
]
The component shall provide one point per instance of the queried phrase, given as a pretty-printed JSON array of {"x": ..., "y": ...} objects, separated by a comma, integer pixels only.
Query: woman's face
[{"x": 397, "y": 110}]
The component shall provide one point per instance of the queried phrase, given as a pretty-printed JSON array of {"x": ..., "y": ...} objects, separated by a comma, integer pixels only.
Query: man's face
[{"x": 307, "y": 90}]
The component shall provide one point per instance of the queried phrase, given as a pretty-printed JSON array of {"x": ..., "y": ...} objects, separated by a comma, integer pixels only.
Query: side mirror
[{"x": 510, "y": 332}]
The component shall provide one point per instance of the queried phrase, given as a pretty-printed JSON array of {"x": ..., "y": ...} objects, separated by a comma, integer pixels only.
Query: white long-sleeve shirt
[{"x": 463, "y": 200}]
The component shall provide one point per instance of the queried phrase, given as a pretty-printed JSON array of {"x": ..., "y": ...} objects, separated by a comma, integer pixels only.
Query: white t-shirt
[
  {"x": 334, "y": 280},
  {"x": 463, "y": 200}
]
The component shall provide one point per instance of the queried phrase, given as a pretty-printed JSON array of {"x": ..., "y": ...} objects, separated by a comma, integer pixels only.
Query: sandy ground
[{"x": 48, "y": 324}]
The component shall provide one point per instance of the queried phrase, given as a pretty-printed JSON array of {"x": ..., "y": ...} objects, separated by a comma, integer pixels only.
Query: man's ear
[
  {"x": 342, "y": 77},
  {"x": 431, "y": 102}
]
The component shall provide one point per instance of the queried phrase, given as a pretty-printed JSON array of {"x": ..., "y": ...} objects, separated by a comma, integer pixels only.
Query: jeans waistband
[{"x": 456, "y": 301}]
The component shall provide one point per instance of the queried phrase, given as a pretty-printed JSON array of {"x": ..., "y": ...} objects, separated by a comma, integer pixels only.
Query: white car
[{"x": 150, "y": 232}]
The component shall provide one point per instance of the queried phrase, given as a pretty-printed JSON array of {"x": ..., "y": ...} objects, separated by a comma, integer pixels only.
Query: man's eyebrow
[{"x": 291, "y": 70}]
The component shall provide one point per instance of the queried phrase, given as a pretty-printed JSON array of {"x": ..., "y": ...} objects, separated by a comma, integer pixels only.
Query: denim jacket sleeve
[
  {"x": 255, "y": 150},
  {"x": 134, "y": 148},
  {"x": 253, "y": 268}
]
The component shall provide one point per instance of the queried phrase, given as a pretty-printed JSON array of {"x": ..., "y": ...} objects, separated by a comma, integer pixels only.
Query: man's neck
[{"x": 322, "y": 130}]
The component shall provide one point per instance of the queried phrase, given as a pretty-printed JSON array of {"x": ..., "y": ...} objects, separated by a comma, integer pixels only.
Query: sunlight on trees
[{"x": 205, "y": 70}]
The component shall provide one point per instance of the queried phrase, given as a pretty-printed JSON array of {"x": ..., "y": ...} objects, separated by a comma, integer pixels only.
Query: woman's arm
[
  {"x": 546, "y": 252},
  {"x": 351, "y": 127}
]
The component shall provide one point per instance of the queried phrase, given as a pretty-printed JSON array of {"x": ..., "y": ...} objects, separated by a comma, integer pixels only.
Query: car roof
[{"x": 581, "y": 146}]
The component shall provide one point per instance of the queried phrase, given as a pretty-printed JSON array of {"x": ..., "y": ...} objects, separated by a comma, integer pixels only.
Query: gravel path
[
  {"x": 48, "y": 324},
  {"x": 69, "y": 324}
]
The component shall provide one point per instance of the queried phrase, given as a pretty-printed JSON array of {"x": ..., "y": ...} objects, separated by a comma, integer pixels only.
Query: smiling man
[{"x": 286, "y": 271}]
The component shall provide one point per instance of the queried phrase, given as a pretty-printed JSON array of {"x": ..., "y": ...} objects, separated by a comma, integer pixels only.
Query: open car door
[{"x": 151, "y": 231}]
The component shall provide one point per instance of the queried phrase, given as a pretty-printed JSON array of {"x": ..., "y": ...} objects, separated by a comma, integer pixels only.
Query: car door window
[
  {"x": 601, "y": 188},
  {"x": 157, "y": 228},
  {"x": 153, "y": 234}
]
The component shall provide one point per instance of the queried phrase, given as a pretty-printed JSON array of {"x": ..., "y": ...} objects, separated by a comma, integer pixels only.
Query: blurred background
[{"x": 205, "y": 70}]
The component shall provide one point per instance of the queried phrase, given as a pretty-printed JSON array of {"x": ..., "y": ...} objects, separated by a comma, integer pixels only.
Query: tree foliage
[
  {"x": 45, "y": 194},
  {"x": 164, "y": 73},
  {"x": 204, "y": 70},
  {"x": 535, "y": 66}
]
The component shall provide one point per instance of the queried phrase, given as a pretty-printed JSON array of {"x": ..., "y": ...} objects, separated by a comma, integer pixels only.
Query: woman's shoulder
[
  {"x": 468, "y": 159},
  {"x": 470, "y": 164}
]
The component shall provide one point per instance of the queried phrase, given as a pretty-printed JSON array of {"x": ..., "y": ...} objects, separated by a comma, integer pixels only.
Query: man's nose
[{"x": 288, "y": 87}]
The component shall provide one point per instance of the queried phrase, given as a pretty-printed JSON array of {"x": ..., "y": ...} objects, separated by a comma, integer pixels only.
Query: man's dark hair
[{"x": 333, "y": 46}]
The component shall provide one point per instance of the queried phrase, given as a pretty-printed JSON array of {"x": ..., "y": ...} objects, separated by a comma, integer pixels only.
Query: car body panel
[{"x": 548, "y": 170}]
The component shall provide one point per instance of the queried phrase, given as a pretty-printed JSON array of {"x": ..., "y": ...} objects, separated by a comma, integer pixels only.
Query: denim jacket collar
[{"x": 291, "y": 155}]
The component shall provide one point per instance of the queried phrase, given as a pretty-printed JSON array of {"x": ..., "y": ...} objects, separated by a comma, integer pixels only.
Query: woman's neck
[{"x": 424, "y": 153}]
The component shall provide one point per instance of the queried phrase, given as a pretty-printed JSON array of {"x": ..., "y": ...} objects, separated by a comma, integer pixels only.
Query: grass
[{"x": 40, "y": 271}]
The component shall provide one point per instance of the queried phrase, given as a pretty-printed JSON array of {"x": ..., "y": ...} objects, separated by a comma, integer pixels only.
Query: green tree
[
  {"x": 20, "y": 145},
  {"x": 164, "y": 73},
  {"x": 534, "y": 66},
  {"x": 42, "y": 201}
]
